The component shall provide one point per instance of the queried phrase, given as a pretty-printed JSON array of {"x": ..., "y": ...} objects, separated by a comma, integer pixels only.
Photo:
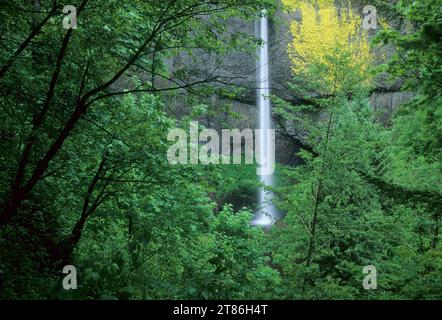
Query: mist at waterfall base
[{"x": 266, "y": 213}]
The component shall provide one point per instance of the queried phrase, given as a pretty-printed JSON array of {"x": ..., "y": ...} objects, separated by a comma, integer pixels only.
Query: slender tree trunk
[
  {"x": 35, "y": 31},
  {"x": 318, "y": 196},
  {"x": 317, "y": 199},
  {"x": 18, "y": 192},
  {"x": 311, "y": 245},
  {"x": 74, "y": 238}
]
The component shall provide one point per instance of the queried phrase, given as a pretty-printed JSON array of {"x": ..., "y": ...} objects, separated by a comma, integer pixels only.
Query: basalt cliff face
[{"x": 285, "y": 29}]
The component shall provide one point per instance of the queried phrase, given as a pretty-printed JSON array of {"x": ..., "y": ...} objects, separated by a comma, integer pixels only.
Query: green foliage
[
  {"x": 84, "y": 178},
  {"x": 365, "y": 194},
  {"x": 84, "y": 133}
]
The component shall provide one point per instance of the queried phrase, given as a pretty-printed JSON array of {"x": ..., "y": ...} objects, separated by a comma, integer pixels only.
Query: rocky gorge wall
[{"x": 240, "y": 69}]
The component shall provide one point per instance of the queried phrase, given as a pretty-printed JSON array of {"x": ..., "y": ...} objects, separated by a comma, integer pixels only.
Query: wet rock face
[
  {"x": 244, "y": 65},
  {"x": 280, "y": 65},
  {"x": 385, "y": 103},
  {"x": 239, "y": 68}
]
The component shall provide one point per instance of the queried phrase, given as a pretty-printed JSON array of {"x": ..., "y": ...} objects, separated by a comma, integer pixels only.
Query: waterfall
[{"x": 267, "y": 212}]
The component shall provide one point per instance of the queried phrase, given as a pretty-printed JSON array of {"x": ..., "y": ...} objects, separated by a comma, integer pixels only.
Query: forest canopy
[{"x": 85, "y": 180}]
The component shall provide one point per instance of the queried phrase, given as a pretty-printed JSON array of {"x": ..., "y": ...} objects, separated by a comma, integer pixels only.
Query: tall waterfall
[{"x": 267, "y": 212}]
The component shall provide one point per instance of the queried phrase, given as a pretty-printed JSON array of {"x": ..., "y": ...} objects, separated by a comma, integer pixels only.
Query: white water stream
[{"x": 267, "y": 212}]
